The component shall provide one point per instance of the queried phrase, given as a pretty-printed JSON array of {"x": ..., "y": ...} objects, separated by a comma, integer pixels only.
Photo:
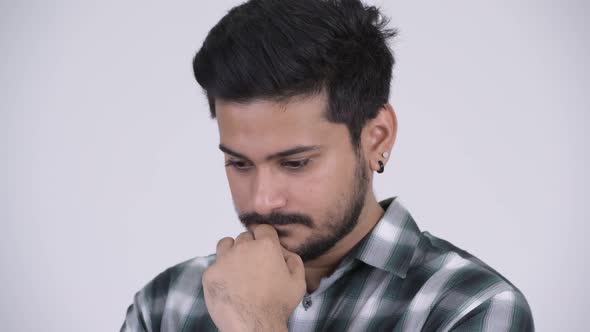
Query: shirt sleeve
[
  {"x": 146, "y": 311},
  {"x": 134, "y": 319},
  {"x": 504, "y": 312}
]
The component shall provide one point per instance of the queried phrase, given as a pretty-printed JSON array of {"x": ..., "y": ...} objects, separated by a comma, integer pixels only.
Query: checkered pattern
[{"x": 396, "y": 279}]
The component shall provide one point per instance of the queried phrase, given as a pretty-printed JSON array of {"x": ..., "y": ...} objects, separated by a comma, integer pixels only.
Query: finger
[
  {"x": 295, "y": 265},
  {"x": 224, "y": 245},
  {"x": 244, "y": 237},
  {"x": 285, "y": 253},
  {"x": 266, "y": 231}
]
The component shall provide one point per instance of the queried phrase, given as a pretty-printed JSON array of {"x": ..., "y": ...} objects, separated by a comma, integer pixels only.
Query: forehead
[{"x": 262, "y": 126}]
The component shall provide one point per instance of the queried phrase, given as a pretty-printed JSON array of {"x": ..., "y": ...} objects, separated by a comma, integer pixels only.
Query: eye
[
  {"x": 238, "y": 164},
  {"x": 295, "y": 164}
]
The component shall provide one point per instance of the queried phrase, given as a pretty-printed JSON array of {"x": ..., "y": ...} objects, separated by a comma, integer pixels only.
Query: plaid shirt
[{"x": 396, "y": 279}]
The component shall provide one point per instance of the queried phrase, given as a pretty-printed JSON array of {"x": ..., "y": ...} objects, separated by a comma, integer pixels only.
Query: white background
[{"x": 109, "y": 170}]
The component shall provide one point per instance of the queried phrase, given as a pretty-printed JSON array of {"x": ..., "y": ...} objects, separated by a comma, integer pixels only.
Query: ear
[{"x": 378, "y": 137}]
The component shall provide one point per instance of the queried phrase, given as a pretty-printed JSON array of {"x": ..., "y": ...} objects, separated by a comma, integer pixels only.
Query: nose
[{"x": 267, "y": 193}]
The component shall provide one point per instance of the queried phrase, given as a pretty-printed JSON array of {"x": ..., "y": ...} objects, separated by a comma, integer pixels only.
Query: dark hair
[{"x": 276, "y": 49}]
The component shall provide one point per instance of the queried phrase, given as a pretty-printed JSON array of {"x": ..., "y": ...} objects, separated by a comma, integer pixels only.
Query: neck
[{"x": 324, "y": 265}]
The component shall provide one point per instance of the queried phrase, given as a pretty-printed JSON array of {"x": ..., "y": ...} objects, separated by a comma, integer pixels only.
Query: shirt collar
[{"x": 391, "y": 243}]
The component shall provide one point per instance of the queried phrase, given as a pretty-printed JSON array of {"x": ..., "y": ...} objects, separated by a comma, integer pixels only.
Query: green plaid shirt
[{"x": 396, "y": 279}]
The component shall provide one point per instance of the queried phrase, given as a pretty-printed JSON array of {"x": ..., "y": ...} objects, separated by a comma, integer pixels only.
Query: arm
[
  {"x": 147, "y": 309},
  {"x": 506, "y": 311},
  {"x": 134, "y": 321}
]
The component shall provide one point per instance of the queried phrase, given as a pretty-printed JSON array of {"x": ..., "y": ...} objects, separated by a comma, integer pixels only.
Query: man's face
[{"x": 290, "y": 167}]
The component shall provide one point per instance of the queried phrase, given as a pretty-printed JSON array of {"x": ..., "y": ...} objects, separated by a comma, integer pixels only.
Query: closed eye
[
  {"x": 295, "y": 164},
  {"x": 238, "y": 164}
]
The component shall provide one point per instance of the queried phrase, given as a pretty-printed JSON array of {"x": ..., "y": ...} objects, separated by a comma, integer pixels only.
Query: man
[{"x": 300, "y": 91}]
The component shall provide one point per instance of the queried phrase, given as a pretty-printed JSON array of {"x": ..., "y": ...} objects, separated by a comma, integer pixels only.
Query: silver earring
[{"x": 385, "y": 154}]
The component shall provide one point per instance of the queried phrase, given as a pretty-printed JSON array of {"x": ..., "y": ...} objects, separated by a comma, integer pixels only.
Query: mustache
[{"x": 275, "y": 218}]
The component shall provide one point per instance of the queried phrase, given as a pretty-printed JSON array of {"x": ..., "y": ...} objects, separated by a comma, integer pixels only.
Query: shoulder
[
  {"x": 179, "y": 273},
  {"x": 460, "y": 290},
  {"x": 182, "y": 278},
  {"x": 169, "y": 298}
]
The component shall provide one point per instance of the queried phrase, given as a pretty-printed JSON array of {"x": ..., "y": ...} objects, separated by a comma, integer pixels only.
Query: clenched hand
[{"x": 255, "y": 284}]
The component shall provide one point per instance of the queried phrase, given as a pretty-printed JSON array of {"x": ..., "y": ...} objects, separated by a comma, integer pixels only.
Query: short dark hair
[{"x": 276, "y": 49}]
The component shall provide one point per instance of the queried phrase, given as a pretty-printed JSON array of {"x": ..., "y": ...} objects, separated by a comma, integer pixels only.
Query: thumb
[{"x": 295, "y": 265}]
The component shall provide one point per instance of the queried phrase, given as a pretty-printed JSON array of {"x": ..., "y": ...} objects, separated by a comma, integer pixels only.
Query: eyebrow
[{"x": 280, "y": 154}]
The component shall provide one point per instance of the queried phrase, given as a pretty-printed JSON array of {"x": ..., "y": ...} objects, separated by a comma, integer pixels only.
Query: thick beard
[
  {"x": 338, "y": 228},
  {"x": 339, "y": 224}
]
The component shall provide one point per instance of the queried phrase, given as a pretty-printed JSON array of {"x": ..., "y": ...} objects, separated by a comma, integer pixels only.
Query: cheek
[
  {"x": 322, "y": 190},
  {"x": 238, "y": 187}
]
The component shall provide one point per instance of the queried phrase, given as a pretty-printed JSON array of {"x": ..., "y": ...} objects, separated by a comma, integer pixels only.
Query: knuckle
[
  {"x": 266, "y": 243},
  {"x": 244, "y": 235},
  {"x": 226, "y": 241}
]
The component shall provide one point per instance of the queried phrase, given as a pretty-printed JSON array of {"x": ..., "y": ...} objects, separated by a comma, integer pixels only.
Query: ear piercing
[{"x": 381, "y": 165}]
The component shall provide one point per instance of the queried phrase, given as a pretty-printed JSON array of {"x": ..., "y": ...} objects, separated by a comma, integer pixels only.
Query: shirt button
[{"x": 306, "y": 302}]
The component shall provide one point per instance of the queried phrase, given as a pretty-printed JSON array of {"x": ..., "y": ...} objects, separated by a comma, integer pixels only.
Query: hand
[{"x": 255, "y": 284}]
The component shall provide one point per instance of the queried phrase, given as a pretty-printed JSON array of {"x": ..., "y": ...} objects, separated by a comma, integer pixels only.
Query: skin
[{"x": 316, "y": 182}]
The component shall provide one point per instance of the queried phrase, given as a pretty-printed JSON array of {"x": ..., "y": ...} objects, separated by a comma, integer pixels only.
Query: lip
[{"x": 283, "y": 225}]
